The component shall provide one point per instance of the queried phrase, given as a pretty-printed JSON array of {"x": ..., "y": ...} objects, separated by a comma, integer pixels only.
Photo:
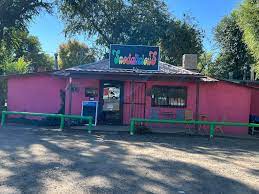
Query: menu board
[{"x": 90, "y": 108}]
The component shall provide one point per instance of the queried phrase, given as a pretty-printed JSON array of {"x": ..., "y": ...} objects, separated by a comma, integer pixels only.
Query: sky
[{"x": 207, "y": 13}]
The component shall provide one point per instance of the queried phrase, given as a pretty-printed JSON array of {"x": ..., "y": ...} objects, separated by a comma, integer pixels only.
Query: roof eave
[{"x": 134, "y": 74}]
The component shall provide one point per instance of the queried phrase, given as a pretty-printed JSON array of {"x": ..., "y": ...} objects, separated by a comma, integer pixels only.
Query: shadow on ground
[{"x": 35, "y": 160}]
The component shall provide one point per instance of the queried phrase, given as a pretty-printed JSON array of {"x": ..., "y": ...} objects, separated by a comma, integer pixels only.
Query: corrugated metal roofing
[{"x": 103, "y": 66}]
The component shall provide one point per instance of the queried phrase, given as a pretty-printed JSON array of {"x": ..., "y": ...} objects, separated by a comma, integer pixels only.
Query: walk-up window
[{"x": 169, "y": 96}]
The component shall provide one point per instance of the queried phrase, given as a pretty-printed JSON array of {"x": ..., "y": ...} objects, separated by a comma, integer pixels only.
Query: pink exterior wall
[
  {"x": 79, "y": 96},
  {"x": 34, "y": 94},
  {"x": 220, "y": 100},
  {"x": 223, "y": 101},
  {"x": 191, "y": 96},
  {"x": 255, "y": 102}
]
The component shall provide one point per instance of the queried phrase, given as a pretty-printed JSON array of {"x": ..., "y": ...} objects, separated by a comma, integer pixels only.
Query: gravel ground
[{"x": 38, "y": 160}]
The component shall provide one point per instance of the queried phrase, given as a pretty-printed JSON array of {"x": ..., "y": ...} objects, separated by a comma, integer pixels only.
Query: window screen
[{"x": 169, "y": 96}]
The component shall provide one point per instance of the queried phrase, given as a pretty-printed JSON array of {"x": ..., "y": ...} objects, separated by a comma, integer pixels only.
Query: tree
[
  {"x": 21, "y": 44},
  {"x": 14, "y": 17},
  {"x": 19, "y": 66},
  {"x": 29, "y": 47},
  {"x": 75, "y": 53},
  {"x": 234, "y": 55},
  {"x": 180, "y": 38},
  {"x": 17, "y": 13},
  {"x": 206, "y": 64},
  {"x": 115, "y": 21},
  {"x": 141, "y": 22},
  {"x": 248, "y": 20}
]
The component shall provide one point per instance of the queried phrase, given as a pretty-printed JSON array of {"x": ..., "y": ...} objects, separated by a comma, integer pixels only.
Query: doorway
[{"x": 111, "y": 103}]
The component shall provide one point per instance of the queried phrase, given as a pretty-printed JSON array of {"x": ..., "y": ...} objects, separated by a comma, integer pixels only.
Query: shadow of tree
[{"x": 36, "y": 160}]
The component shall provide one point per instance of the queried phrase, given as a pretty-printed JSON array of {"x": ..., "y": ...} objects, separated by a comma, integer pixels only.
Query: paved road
[{"x": 38, "y": 160}]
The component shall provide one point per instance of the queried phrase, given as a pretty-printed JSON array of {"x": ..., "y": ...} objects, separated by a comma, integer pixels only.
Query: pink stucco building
[{"x": 123, "y": 94}]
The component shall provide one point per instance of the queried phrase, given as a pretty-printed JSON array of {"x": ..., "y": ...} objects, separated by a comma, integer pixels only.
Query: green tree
[
  {"x": 29, "y": 47},
  {"x": 116, "y": 21},
  {"x": 206, "y": 64},
  {"x": 19, "y": 66},
  {"x": 234, "y": 55},
  {"x": 74, "y": 53},
  {"x": 145, "y": 22},
  {"x": 180, "y": 38},
  {"x": 17, "y": 13},
  {"x": 21, "y": 44},
  {"x": 248, "y": 20},
  {"x": 14, "y": 18}
]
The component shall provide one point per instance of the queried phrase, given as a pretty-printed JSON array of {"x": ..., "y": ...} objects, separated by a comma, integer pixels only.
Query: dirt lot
[{"x": 37, "y": 160}]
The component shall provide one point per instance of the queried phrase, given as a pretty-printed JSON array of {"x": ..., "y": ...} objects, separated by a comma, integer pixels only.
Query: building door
[
  {"x": 134, "y": 101},
  {"x": 111, "y": 98}
]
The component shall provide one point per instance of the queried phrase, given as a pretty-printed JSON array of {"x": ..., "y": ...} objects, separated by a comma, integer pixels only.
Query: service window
[{"x": 169, "y": 96}]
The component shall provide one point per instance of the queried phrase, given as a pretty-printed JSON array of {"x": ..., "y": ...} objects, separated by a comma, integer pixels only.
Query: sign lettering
[{"x": 131, "y": 57}]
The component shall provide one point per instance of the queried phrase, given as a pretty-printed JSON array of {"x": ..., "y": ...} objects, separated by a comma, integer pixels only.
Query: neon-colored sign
[{"x": 131, "y": 56}]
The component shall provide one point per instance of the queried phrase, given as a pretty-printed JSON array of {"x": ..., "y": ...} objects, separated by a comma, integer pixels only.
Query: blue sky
[{"x": 208, "y": 13}]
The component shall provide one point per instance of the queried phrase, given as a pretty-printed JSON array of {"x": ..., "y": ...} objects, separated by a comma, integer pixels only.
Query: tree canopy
[
  {"x": 23, "y": 45},
  {"x": 20, "y": 52},
  {"x": 237, "y": 37},
  {"x": 17, "y": 13},
  {"x": 115, "y": 21},
  {"x": 234, "y": 55},
  {"x": 248, "y": 20},
  {"x": 74, "y": 53},
  {"x": 15, "y": 41},
  {"x": 141, "y": 22},
  {"x": 180, "y": 38}
]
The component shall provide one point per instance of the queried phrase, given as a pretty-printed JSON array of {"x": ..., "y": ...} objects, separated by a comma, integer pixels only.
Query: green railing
[
  {"x": 211, "y": 124},
  {"x": 61, "y": 116}
]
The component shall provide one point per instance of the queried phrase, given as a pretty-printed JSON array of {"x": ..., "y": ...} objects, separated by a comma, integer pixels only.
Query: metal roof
[{"x": 102, "y": 67}]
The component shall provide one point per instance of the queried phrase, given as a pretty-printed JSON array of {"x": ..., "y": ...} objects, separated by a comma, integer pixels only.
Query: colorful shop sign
[{"x": 134, "y": 57}]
